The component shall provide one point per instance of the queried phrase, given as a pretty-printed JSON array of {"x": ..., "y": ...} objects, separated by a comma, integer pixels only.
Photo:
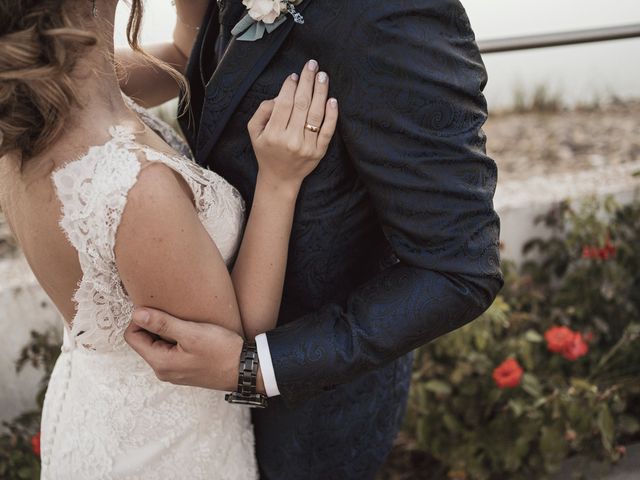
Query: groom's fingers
[
  {"x": 156, "y": 352},
  {"x": 160, "y": 323},
  {"x": 137, "y": 337}
]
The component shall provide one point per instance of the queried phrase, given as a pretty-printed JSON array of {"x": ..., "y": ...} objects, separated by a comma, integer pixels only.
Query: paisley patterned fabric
[{"x": 395, "y": 240}]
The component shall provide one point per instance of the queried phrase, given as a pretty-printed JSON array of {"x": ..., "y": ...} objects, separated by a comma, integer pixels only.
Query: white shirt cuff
[{"x": 266, "y": 365}]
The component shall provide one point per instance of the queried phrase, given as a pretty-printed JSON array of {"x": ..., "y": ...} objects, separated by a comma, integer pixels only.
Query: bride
[{"x": 111, "y": 213}]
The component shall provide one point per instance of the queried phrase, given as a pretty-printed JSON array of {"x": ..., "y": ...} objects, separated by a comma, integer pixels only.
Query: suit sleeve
[{"x": 412, "y": 109}]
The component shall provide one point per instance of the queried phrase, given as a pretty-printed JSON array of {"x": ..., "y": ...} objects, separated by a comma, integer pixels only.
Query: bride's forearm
[
  {"x": 258, "y": 275},
  {"x": 189, "y": 17},
  {"x": 142, "y": 80}
]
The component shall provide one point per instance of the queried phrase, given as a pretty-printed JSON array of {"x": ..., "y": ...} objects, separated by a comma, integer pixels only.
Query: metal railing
[{"x": 559, "y": 39}]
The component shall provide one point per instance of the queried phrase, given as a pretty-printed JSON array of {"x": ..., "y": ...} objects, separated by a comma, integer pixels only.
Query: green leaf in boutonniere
[{"x": 265, "y": 16}]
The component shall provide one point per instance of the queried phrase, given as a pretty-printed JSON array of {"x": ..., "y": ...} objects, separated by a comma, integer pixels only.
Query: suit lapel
[{"x": 241, "y": 65}]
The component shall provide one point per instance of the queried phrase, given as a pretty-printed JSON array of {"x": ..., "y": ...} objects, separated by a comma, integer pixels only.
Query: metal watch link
[{"x": 247, "y": 393}]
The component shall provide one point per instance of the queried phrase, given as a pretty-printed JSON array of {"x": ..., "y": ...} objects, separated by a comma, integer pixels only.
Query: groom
[{"x": 395, "y": 240}]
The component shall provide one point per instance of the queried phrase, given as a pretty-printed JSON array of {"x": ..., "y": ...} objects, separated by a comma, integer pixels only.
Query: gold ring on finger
[{"x": 312, "y": 128}]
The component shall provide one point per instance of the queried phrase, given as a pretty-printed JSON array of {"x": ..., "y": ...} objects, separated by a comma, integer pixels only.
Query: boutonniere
[{"x": 265, "y": 16}]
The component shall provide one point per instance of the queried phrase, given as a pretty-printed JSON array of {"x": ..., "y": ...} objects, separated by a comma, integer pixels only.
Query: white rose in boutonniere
[
  {"x": 263, "y": 10},
  {"x": 265, "y": 16}
]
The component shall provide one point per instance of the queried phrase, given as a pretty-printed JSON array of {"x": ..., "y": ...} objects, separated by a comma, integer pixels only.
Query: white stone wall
[
  {"x": 519, "y": 202},
  {"x": 23, "y": 307}
]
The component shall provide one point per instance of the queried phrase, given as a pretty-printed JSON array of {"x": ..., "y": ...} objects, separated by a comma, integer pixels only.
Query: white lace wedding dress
[{"x": 106, "y": 415}]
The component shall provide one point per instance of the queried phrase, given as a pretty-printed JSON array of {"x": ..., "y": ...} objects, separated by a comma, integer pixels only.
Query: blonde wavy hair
[{"x": 40, "y": 44}]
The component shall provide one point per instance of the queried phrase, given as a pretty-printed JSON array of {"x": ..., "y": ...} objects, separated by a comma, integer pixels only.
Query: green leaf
[
  {"x": 531, "y": 385},
  {"x": 606, "y": 427},
  {"x": 583, "y": 385},
  {"x": 452, "y": 424},
  {"x": 533, "y": 336},
  {"x": 438, "y": 387},
  {"x": 517, "y": 407},
  {"x": 553, "y": 446}
]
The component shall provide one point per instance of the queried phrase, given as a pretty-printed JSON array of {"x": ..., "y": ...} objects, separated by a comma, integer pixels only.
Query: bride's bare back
[{"x": 33, "y": 208}]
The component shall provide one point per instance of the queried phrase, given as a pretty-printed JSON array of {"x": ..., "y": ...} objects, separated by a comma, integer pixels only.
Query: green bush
[
  {"x": 20, "y": 438},
  {"x": 580, "y": 285}
]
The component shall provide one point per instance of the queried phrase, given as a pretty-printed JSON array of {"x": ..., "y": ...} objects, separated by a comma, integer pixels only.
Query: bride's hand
[{"x": 291, "y": 134}]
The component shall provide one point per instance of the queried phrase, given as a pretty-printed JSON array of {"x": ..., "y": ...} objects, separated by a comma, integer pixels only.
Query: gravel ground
[{"x": 537, "y": 144}]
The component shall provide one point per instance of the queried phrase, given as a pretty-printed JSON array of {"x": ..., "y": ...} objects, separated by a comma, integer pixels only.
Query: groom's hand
[{"x": 203, "y": 355}]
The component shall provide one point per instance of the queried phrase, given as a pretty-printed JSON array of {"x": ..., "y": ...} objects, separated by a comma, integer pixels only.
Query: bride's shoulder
[{"x": 158, "y": 185}]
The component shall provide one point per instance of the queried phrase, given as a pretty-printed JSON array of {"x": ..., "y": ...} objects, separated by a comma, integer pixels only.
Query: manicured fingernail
[
  {"x": 313, "y": 65},
  {"x": 322, "y": 77},
  {"x": 141, "y": 317},
  {"x": 333, "y": 102},
  {"x": 294, "y": 77}
]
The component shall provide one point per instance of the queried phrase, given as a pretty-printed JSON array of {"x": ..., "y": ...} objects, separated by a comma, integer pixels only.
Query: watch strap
[{"x": 247, "y": 393}]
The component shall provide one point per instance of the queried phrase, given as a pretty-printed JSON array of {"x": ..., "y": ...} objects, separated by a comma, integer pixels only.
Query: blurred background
[
  {"x": 580, "y": 74},
  {"x": 564, "y": 130}
]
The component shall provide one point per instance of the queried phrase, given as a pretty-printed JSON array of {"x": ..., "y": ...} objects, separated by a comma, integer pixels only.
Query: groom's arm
[{"x": 410, "y": 87}]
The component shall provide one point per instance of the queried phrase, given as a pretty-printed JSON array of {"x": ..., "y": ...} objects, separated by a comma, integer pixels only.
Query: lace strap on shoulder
[
  {"x": 93, "y": 192},
  {"x": 198, "y": 179}
]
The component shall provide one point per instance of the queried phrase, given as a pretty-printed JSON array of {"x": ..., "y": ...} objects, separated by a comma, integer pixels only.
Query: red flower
[
  {"x": 35, "y": 444},
  {"x": 557, "y": 338},
  {"x": 575, "y": 348},
  {"x": 603, "y": 253},
  {"x": 609, "y": 250},
  {"x": 508, "y": 374}
]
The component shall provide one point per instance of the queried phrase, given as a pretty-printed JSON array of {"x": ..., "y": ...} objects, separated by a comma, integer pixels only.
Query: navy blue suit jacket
[{"x": 395, "y": 239}]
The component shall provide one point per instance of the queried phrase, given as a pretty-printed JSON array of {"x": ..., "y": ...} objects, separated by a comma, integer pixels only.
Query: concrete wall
[{"x": 23, "y": 307}]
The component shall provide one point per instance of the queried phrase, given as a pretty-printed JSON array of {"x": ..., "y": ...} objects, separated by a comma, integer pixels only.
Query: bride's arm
[
  {"x": 167, "y": 260},
  {"x": 165, "y": 257},
  {"x": 258, "y": 275},
  {"x": 142, "y": 80}
]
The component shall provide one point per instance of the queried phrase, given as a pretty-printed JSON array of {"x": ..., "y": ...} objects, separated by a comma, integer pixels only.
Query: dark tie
[{"x": 231, "y": 11}]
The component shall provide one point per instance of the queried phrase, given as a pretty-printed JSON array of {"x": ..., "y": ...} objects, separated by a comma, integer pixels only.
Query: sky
[{"x": 578, "y": 73}]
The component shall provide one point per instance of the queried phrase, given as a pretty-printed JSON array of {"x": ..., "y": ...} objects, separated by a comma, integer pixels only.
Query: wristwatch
[{"x": 247, "y": 377}]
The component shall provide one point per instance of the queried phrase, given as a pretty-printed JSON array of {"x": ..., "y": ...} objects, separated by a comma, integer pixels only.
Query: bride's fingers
[
  {"x": 304, "y": 94},
  {"x": 260, "y": 119},
  {"x": 283, "y": 104},
  {"x": 315, "y": 117},
  {"x": 329, "y": 125}
]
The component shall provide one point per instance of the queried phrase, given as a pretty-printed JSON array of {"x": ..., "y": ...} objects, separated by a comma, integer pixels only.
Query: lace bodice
[
  {"x": 93, "y": 193},
  {"x": 106, "y": 416}
]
